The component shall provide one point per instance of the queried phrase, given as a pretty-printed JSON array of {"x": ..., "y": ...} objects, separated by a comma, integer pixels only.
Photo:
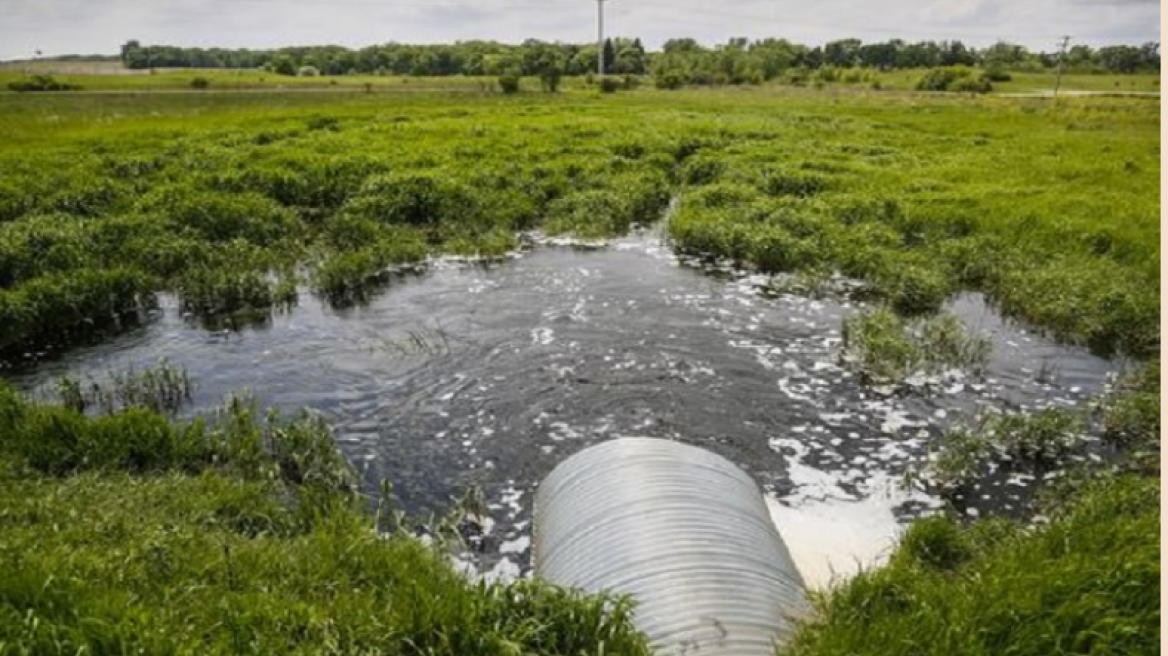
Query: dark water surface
[{"x": 490, "y": 376}]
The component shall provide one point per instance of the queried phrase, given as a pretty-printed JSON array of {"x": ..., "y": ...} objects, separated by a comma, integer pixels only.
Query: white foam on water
[
  {"x": 830, "y": 532},
  {"x": 516, "y": 546},
  {"x": 831, "y": 538},
  {"x": 542, "y": 336},
  {"x": 504, "y": 571}
]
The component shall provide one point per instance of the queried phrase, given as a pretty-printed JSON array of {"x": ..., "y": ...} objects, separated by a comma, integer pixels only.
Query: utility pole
[
  {"x": 1058, "y": 76},
  {"x": 600, "y": 38}
]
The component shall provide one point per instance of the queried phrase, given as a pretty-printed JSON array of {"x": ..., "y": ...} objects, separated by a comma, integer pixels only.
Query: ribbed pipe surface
[{"x": 682, "y": 530}]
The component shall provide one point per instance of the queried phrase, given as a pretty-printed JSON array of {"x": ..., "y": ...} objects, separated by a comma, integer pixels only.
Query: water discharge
[{"x": 487, "y": 376}]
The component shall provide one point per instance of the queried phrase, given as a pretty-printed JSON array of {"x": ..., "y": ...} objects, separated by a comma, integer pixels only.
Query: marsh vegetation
[{"x": 232, "y": 531}]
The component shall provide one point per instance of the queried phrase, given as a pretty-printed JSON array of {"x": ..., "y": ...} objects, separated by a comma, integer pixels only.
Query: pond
[{"x": 488, "y": 376}]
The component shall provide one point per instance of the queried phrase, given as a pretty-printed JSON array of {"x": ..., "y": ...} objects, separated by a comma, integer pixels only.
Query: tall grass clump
[
  {"x": 59, "y": 308},
  {"x": 884, "y": 348},
  {"x": 221, "y": 217},
  {"x": 1033, "y": 443},
  {"x": 162, "y": 388}
]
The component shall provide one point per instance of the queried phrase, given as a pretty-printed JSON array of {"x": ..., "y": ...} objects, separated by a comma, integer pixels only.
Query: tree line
[{"x": 738, "y": 60}]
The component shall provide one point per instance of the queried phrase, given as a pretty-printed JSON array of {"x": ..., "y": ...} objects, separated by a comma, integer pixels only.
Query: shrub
[
  {"x": 671, "y": 79},
  {"x": 509, "y": 84},
  {"x": 797, "y": 76},
  {"x": 994, "y": 74},
  {"x": 41, "y": 83},
  {"x": 308, "y": 71},
  {"x": 610, "y": 84},
  {"x": 953, "y": 78},
  {"x": 200, "y": 83},
  {"x": 549, "y": 79},
  {"x": 971, "y": 84}
]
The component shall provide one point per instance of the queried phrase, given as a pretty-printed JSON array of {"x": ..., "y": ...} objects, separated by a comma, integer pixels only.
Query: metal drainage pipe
[{"x": 683, "y": 531}]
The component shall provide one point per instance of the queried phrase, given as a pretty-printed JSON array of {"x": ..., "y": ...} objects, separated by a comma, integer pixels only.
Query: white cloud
[{"x": 86, "y": 26}]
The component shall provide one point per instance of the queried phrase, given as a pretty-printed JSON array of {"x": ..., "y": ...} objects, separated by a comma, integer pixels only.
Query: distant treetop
[{"x": 757, "y": 59}]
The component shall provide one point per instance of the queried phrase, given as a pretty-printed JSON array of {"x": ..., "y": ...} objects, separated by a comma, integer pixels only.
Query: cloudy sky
[{"x": 100, "y": 26}]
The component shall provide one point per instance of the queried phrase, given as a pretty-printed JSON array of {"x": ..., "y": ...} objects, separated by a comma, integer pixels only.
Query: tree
[
  {"x": 1150, "y": 56},
  {"x": 583, "y": 62},
  {"x": 549, "y": 67},
  {"x": 1080, "y": 57},
  {"x": 880, "y": 55},
  {"x": 844, "y": 53},
  {"x": 284, "y": 65},
  {"x": 609, "y": 55},
  {"x": 681, "y": 46},
  {"x": 1004, "y": 55},
  {"x": 1120, "y": 59}
]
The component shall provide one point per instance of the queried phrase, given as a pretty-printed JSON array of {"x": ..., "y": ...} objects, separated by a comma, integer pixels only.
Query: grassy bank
[
  {"x": 231, "y": 199},
  {"x": 1085, "y": 579},
  {"x": 129, "y": 532},
  {"x": 1086, "y": 583}
]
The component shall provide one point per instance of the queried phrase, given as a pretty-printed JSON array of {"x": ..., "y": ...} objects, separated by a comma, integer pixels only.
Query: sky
[{"x": 58, "y": 27}]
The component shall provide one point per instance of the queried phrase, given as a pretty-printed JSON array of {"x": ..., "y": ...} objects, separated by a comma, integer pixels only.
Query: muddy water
[{"x": 489, "y": 376}]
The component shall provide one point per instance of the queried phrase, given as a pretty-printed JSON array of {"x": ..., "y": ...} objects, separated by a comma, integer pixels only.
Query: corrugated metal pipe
[{"x": 682, "y": 530}]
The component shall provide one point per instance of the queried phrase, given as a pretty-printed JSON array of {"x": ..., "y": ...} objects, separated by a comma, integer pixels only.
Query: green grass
[
  {"x": 1028, "y": 82},
  {"x": 226, "y": 197},
  {"x": 105, "y": 79},
  {"x": 1085, "y": 580},
  {"x": 128, "y": 532},
  {"x": 1086, "y": 583},
  {"x": 886, "y": 349}
]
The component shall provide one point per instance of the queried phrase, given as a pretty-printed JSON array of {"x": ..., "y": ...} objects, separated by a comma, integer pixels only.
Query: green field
[
  {"x": 231, "y": 200},
  {"x": 112, "y": 76},
  {"x": 1052, "y": 211}
]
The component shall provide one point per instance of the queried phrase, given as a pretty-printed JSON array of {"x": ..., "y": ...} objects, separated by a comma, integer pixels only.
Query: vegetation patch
[
  {"x": 1122, "y": 434},
  {"x": 955, "y": 78},
  {"x": 41, "y": 83},
  {"x": 886, "y": 349},
  {"x": 1086, "y": 582},
  {"x": 237, "y": 533}
]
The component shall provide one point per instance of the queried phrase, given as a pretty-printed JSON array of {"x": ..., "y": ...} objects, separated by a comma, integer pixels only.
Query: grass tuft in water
[
  {"x": 162, "y": 388},
  {"x": 885, "y": 348}
]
